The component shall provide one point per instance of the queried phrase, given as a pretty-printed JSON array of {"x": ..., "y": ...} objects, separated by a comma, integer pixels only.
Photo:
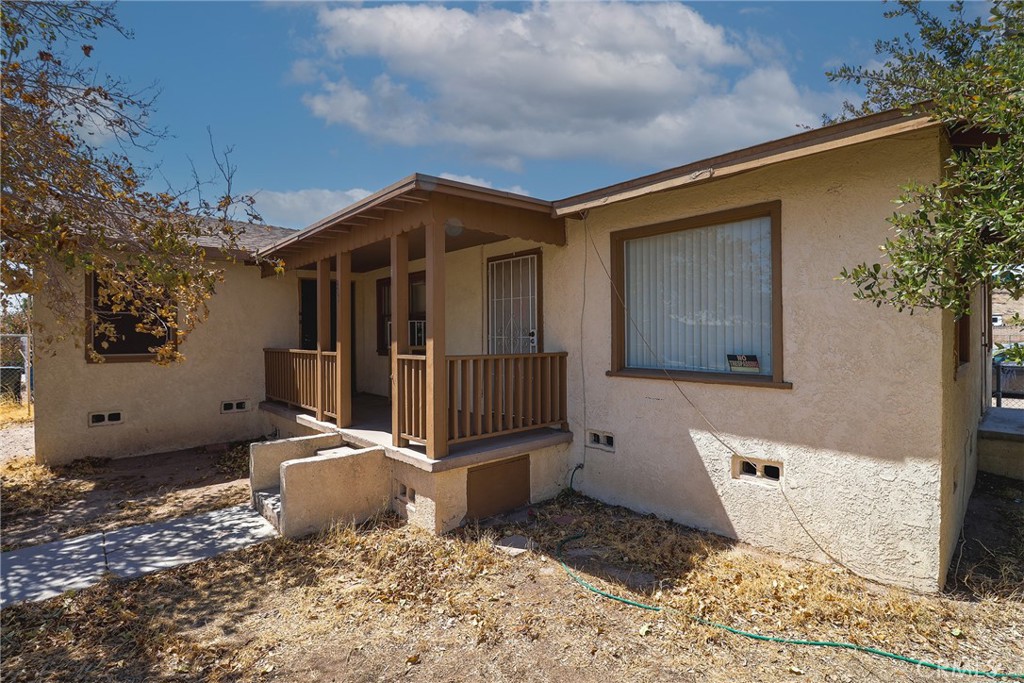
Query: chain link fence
[
  {"x": 15, "y": 368},
  {"x": 1008, "y": 385}
]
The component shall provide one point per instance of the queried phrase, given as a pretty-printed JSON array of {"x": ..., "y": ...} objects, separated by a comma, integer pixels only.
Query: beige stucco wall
[
  {"x": 963, "y": 401},
  {"x": 860, "y": 434},
  {"x": 175, "y": 407},
  {"x": 331, "y": 488}
]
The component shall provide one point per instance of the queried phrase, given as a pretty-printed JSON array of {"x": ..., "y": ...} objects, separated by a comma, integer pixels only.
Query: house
[{"x": 678, "y": 344}]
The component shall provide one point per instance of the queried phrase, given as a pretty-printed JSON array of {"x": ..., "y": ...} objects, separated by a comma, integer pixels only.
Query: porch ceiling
[{"x": 474, "y": 215}]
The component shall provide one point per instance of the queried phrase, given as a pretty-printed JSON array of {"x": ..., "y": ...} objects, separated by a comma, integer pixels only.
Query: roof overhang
[
  {"x": 856, "y": 131},
  {"x": 412, "y": 191}
]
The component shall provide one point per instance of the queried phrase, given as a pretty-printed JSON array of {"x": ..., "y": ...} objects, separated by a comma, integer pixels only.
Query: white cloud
[
  {"x": 304, "y": 71},
  {"x": 299, "y": 208},
  {"x": 483, "y": 182},
  {"x": 630, "y": 82}
]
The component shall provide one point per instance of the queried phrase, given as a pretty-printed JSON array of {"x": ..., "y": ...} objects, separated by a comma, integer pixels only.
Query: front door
[{"x": 513, "y": 306}]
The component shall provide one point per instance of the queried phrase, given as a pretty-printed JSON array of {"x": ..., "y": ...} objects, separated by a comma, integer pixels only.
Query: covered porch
[{"x": 429, "y": 293}]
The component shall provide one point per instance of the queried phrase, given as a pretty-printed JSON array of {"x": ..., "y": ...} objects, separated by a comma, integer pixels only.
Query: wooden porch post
[
  {"x": 399, "y": 328},
  {"x": 343, "y": 346},
  {"x": 437, "y": 382},
  {"x": 323, "y": 330}
]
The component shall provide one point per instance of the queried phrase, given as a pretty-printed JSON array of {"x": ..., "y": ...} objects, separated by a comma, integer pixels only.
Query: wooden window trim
[
  {"x": 90, "y": 335},
  {"x": 419, "y": 277},
  {"x": 618, "y": 241},
  {"x": 962, "y": 339},
  {"x": 539, "y": 253}
]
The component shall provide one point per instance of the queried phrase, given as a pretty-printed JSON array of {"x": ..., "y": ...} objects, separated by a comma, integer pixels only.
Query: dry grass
[
  {"x": 41, "y": 504},
  {"x": 235, "y": 460},
  {"x": 13, "y": 412},
  {"x": 30, "y": 489},
  {"x": 387, "y": 601}
]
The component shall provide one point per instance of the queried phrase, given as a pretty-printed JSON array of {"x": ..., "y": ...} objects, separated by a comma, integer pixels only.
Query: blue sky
[{"x": 324, "y": 103}]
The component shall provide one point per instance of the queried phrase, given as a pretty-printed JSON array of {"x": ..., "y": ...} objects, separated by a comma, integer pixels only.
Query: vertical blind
[{"x": 695, "y": 296}]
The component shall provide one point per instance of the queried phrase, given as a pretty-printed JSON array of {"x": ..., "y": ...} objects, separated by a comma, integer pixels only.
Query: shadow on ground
[
  {"x": 42, "y": 504},
  {"x": 988, "y": 561}
]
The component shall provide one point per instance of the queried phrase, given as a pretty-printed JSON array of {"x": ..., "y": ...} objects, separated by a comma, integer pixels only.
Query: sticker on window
[{"x": 743, "y": 363}]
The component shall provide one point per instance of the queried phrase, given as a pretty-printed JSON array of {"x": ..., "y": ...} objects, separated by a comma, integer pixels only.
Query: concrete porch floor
[{"x": 372, "y": 428}]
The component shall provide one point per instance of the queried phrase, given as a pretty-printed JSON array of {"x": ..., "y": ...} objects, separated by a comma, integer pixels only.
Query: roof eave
[
  {"x": 848, "y": 133},
  {"x": 413, "y": 183}
]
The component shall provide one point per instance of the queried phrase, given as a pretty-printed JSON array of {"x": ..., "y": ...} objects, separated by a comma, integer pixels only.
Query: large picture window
[{"x": 698, "y": 298}]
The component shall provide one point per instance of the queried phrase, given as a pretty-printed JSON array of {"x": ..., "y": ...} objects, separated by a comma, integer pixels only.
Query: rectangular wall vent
[
  {"x": 235, "y": 406},
  {"x": 104, "y": 419},
  {"x": 755, "y": 469},
  {"x": 604, "y": 441}
]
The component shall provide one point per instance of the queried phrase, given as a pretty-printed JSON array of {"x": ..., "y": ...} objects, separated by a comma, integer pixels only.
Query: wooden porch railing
[
  {"x": 291, "y": 378},
  {"x": 501, "y": 394},
  {"x": 412, "y": 397},
  {"x": 487, "y": 395}
]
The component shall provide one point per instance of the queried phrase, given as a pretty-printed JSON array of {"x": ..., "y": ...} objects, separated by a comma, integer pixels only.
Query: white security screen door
[{"x": 513, "y": 300}]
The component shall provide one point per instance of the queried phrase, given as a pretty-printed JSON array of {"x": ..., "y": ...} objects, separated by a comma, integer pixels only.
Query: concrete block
[
  {"x": 265, "y": 457},
  {"x": 1004, "y": 457},
  {"x": 345, "y": 487}
]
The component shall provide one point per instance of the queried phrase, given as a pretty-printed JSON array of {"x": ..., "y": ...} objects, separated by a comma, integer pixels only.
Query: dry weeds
[
  {"x": 387, "y": 601},
  {"x": 27, "y": 488},
  {"x": 13, "y": 412},
  {"x": 41, "y": 504}
]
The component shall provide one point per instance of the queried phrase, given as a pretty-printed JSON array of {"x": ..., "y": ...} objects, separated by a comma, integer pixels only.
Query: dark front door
[{"x": 307, "y": 315}]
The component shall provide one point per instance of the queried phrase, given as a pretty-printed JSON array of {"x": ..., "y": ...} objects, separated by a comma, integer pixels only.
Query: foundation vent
[
  {"x": 236, "y": 406},
  {"x": 755, "y": 469},
  {"x": 114, "y": 417},
  {"x": 604, "y": 441}
]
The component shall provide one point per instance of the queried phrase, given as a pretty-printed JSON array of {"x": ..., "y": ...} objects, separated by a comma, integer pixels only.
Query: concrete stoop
[
  {"x": 268, "y": 503},
  {"x": 306, "y": 484},
  {"x": 1001, "y": 443}
]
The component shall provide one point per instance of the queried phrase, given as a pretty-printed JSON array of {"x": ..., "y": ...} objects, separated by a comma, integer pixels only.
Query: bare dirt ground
[
  {"x": 17, "y": 440},
  {"x": 386, "y": 602},
  {"x": 40, "y": 504}
]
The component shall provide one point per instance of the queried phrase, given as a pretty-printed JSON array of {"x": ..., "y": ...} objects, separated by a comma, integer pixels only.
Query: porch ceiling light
[{"x": 453, "y": 227}]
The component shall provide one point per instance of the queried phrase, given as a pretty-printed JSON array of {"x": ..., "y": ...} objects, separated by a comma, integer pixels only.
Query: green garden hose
[{"x": 774, "y": 639}]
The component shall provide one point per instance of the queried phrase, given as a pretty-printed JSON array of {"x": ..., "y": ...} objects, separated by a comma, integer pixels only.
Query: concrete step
[
  {"x": 268, "y": 503},
  {"x": 340, "y": 450}
]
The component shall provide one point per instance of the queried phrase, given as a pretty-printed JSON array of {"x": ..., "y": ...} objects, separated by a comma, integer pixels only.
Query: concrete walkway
[{"x": 48, "y": 570}]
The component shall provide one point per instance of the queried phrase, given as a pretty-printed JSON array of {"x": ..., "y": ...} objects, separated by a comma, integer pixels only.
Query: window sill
[
  {"x": 124, "y": 358},
  {"x": 701, "y": 378}
]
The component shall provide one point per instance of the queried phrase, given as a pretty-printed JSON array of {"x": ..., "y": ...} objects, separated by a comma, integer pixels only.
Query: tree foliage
[
  {"x": 70, "y": 207},
  {"x": 952, "y": 235}
]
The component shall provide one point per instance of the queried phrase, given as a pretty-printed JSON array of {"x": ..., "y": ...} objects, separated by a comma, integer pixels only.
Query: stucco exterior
[
  {"x": 873, "y": 424},
  {"x": 175, "y": 407},
  {"x": 865, "y": 433},
  {"x": 965, "y": 397}
]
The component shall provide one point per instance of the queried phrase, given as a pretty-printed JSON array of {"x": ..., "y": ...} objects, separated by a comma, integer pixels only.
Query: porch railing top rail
[{"x": 507, "y": 356}]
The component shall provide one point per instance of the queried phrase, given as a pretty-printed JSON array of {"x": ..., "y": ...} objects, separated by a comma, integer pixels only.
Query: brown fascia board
[
  {"x": 815, "y": 141},
  {"x": 418, "y": 182}
]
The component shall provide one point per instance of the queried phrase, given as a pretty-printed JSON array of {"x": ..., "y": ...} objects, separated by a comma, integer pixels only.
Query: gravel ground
[{"x": 17, "y": 440}]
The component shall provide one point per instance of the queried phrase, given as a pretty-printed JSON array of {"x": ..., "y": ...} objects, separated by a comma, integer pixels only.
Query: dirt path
[
  {"x": 41, "y": 504},
  {"x": 17, "y": 441}
]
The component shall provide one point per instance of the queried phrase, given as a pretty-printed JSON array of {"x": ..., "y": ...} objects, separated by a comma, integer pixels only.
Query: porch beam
[
  {"x": 399, "y": 329},
  {"x": 437, "y": 382},
  {"x": 323, "y": 330},
  {"x": 343, "y": 346}
]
